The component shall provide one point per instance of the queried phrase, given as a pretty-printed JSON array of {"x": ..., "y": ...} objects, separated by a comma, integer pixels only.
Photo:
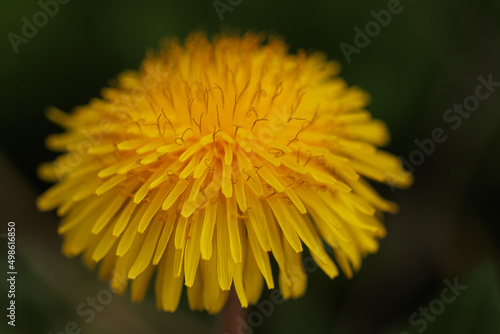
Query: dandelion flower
[{"x": 210, "y": 159}]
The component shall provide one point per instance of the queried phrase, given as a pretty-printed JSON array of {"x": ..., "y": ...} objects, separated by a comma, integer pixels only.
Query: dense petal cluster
[{"x": 212, "y": 157}]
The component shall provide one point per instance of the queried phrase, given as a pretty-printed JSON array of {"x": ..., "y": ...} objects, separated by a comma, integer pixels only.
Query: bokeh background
[{"x": 424, "y": 61}]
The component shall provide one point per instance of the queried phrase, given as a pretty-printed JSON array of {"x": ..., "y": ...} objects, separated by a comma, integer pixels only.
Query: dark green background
[{"x": 424, "y": 61}]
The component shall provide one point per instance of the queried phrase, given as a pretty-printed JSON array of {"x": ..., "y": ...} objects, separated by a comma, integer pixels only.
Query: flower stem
[{"x": 230, "y": 314}]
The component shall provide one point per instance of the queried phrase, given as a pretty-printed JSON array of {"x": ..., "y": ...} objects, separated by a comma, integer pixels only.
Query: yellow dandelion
[{"x": 213, "y": 157}]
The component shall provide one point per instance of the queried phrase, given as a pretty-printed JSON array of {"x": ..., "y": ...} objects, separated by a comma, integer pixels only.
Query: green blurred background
[{"x": 418, "y": 66}]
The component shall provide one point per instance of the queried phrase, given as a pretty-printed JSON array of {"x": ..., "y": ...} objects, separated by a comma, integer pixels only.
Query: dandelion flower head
[{"x": 215, "y": 160}]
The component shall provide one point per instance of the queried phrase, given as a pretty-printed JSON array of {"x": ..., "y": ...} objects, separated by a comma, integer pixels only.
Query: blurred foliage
[{"x": 424, "y": 61}]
